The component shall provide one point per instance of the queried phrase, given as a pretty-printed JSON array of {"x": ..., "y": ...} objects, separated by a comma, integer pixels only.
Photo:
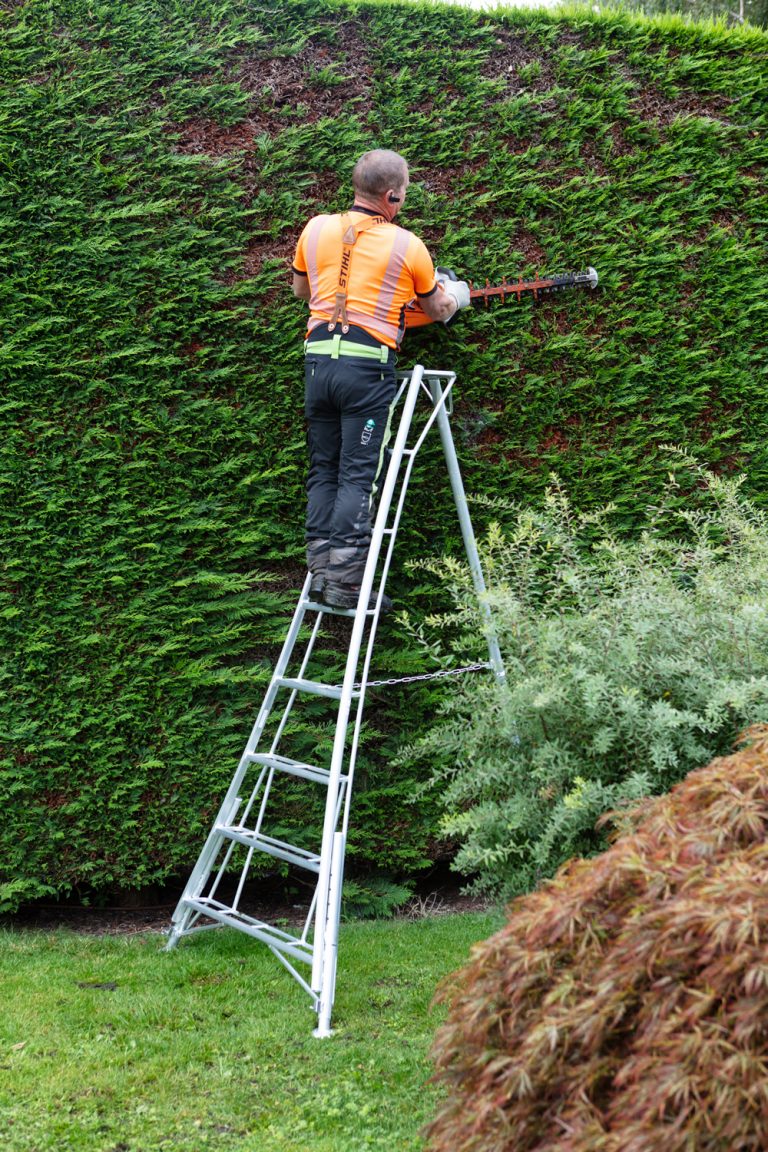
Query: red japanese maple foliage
[{"x": 624, "y": 1007}]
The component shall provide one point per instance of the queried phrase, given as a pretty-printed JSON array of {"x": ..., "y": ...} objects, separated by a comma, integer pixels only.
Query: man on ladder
[
  {"x": 362, "y": 275},
  {"x": 358, "y": 271}
]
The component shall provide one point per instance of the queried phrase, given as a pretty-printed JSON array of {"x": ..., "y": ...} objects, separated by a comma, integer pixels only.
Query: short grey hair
[{"x": 379, "y": 170}]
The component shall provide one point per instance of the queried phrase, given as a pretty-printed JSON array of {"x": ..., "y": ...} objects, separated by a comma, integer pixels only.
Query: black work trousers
[{"x": 348, "y": 405}]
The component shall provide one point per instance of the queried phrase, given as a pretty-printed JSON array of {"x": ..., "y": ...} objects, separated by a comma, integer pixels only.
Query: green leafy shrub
[
  {"x": 157, "y": 163},
  {"x": 373, "y": 898},
  {"x": 624, "y": 1005},
  {"x": 628, "y": 663}
]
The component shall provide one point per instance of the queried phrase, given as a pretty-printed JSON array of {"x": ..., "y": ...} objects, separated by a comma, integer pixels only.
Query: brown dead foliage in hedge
[
  {"x": 285, "y": 81},
  {"x": 512, "y": 52},
  {"x": 624, "y": 1007}
]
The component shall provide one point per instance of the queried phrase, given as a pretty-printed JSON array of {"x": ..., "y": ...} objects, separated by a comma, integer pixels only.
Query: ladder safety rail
[
  {"x": 243, "y": 822},
  {"x": 467, "y": 531}
]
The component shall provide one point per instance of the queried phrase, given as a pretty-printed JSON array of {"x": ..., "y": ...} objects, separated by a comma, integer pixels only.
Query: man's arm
[
  {"x": 301, "y": 287},
  {"x": 439, "y": 305}
]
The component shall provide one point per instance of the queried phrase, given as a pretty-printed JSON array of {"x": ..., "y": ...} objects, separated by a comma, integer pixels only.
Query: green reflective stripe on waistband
[{"x": 336, "y": 347}]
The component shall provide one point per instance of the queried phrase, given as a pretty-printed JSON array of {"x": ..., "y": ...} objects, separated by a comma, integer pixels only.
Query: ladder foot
[{"x": 173, "y": 939}]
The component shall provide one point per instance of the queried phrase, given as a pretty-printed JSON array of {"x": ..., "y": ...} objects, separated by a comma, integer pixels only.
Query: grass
[{"x": 210, "y": 1046}]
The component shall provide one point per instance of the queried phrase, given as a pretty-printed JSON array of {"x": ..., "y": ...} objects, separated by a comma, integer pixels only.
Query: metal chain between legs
[{"x": 425, "y": 676}]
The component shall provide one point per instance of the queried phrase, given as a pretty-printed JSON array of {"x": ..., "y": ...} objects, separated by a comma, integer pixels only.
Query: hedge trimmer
[
  {"x": 539, "y": 286},
  {"x": 516, "y": 289}
]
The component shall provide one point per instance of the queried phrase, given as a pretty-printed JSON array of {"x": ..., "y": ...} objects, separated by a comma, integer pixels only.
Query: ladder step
[
  {"x": 313, "y": 687},
  {"x": 293, "y": 945},
  {"x": 292, "y": 767},
  {"x": 314, "y": 606},
  {"x": 273, "y": 847}
]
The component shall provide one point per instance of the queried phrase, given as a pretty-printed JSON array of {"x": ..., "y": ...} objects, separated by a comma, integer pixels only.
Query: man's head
[{"x": 380, "y": 179}]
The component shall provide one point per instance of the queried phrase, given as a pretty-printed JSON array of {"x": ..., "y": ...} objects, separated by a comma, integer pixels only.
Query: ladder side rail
[
  {"x": 243, "y": 875},
  {"x": 231, "y": 801},
  {"x": 467, "y": 531},
  {"x": 265, "y": 787},
  {"x": 330, "y": 942},
  {"x": 393, "y": 529},
  {"x": 352, "y": 758},
  {"x": 437, "y": 403},
  {"x": 302, "y": 670},
  {"x": 328, "y": 993},
  {"x": 207, "y": 860},
  {"x": 355, "y": 742},
  {"x": 405, "y": 379},
  {"x": 330, "y": 936},
  {"x": 402, "y": 388},
  {"x": 259, "y": 786},
  {"x": 310, "y": 918},
  {"x": 203, "y": 867},
  {"x": 363, "y": 681},
  {"x": 278, "y": 672},
  {"x": 406, "y": 477},
  {"x": 345, "y": 701},
  {"x": 199, "y": 877}
]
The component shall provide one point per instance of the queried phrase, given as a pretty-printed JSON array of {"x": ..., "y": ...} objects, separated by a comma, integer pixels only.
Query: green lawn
[{"x": 210, "y": 1046}]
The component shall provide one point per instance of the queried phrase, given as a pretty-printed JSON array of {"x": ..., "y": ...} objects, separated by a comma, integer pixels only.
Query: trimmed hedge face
[
  {"x": 159, "y": 162},
  {"x": 624, "y": 1006}
]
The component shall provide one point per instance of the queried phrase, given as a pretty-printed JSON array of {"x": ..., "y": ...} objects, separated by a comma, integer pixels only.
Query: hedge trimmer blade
[{"x": 539, "y": 286}]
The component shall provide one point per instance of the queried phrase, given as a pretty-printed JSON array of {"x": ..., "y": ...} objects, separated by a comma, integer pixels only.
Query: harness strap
[{"x": 349, "y": 234}]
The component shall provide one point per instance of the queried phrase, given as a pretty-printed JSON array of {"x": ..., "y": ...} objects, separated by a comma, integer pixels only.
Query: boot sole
[{"x": 348, "y": 603}]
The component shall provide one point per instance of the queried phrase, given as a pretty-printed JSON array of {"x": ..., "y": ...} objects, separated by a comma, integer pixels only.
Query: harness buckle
[{"x": 339, "y": 313}]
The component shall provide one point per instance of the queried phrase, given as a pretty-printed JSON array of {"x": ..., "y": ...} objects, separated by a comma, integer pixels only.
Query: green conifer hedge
[{"x": 157, "y": 161}]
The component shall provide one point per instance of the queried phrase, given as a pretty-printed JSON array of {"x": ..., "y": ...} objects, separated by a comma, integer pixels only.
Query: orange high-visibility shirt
[{"x": 389, "y": 267}]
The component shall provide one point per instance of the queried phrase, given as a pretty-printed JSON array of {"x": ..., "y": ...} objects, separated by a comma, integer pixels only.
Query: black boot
[
  {"x": 316, "y": 585},
  {"x": 318, "y": 553},
  {"x": 347, "y": 595}
]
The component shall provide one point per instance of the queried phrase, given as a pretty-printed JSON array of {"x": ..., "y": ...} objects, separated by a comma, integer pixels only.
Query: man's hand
[
  {"x": 459, "y": 290},
  {"x": 451, "y": 295}
]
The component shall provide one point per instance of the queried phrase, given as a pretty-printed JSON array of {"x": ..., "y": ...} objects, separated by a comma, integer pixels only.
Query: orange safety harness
[{"x": 350, "y": 233}]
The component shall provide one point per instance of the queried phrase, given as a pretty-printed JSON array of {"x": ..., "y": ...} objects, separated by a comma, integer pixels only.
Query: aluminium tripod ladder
[{"x": 245, "y": 824}]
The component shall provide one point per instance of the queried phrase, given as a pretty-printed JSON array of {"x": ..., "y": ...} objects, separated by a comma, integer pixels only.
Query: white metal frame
[{"x": 241, "y": 823}]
